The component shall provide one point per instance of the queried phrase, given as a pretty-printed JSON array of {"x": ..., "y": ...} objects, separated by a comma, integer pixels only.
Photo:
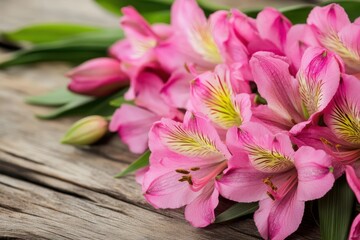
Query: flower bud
[
  {"x": 97, "y": 77},
  {"x": 86, "y": 131}
]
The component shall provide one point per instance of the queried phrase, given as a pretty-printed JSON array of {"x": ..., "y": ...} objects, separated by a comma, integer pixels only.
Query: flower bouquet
[{"x": 261, "y": 108}]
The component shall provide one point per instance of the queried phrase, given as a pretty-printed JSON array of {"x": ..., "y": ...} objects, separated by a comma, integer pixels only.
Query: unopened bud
[{"x": 86, "y": 131}]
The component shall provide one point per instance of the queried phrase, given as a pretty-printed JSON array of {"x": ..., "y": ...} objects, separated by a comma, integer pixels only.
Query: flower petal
[
  {"x": 162, "y": 188},
  {"x": 343, "y": 114},
  {"x": 278, "y": 219},
  {"x": 355, "y": 229},
  {"x": 318, "y": 77},
  {"x": 188, "y": 17},
  {"x": 276, "y": 85},
  {"x": 353, "y": 181},
  {"x": 193, "y": 142},
  {"x": 212, "y": 95},
  {"x": 200, "y": 212},
  {"x": 133, "y": 124},
  {"x": 314, "y": 170},
  {"x": 267, "y": 152},
  {"x": 299, "y": 38},
  {"x": 273, "y": 26},
  {"x": 349, "y": 49},
  {"x": 328, "y": 20}
]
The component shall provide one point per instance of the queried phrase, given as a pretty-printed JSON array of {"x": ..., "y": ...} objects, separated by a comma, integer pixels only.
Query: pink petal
[
  {"x": 329, "y": 19},
  {"x": 353, "y": 181},
  {"x": 162, "y": 188},
  {"x": 176, "y": 90},
  {"x": 342, "y": 115},
  {"x": 212, "y": 94},
  {"x": 189, "y": 20},
  {"x": 242, "y": 184},
  {"x": 135, "y": 26},
  {"x": 314, "y": 173},
  {"x": 318, "y": 77},
  {"x": 355, "y": 229},
  {"x": 278, "y": 219},
  {"x": 200, "y": 212},
  {"x": 244, "y": 26},
  {"x": 174, "y": 143},
  {"x": 276, "y": 85},
  {"x": 349, "y": 50},
  {"x": 273, "y": 26},
  {"x": 299, "y": 38},
  {"x": 133, "y": 124}
]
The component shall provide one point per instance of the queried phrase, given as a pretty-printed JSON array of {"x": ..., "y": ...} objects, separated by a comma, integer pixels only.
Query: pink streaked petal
[
  {"x": 314, "y": 173},
  {"x": 135, "y": 26},
  {"x": 278, "y": 219},
  {"x": 176, "y": 90},
  {"x": 273, "y": 26},
  {"x": 264, "y": 115},
  {"x": 188, "y": 17},
  {"x": 299, "y": 38},
  {"x": 194, "y": 139},
  {"x": 133, "y": 124},
  {"x": 267, "y": 152},
  {"x": 318, "y": 77},
  {"x": 349, "y": 50},
  {"x": 343, "y": 114},
  {"x": 212, "y": 95},
  {"x": 162, "y": 188},
  {"x": 200, "y": 212},
  {"x": 231, "y": 48},
  {"x": 276, "y": 85},
  {"x": 329, "y": 19},
  {"x": 355, "y": 229},
  {"x": 242, "y": 184},
  {"x": 244, "y": 26},
  {"x": 353, "y": 181},
  {"x": 147, "y": 92}
]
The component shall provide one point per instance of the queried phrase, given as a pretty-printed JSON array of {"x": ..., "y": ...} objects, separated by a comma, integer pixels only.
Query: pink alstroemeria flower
[
  {"x": 144, "y": 43},
  {"x": 97, "y": 77},
  {"x": 264, "y": 167},
  {"x": 185, "y": 160},
  {"x": 341, "y": 136},
  {"x": 205, "y": 42},
  {"x": 221, "y": 97},
  {"x": 354, "y": 183},
  {"x": 272, "y": 28},
  {"x": 134, "y": 122},
  {"x": 293, "y": 102},
  {"x": 338, "y": 34}
]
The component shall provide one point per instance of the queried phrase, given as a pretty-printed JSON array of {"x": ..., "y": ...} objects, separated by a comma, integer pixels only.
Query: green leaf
[
  {"x": 335, "y": 211},
  {"x": 152, "y": 10},
  {"x": 66, "y": 109},
  {"x": 120, "y": 101},
  {"x": 236, "y": 211},
  {"x": 49, "y": 32},
  {"x": 55, "y": 98},
  {"x": 148, "y": 8},
  {"x": 141, "y": 162},
  {"x": 73, "y": 50},
  {"x": 85, "y": 106}
]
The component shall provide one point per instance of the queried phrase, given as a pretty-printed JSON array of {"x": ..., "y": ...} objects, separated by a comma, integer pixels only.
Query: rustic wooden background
[{"x": 52, "y": 191}]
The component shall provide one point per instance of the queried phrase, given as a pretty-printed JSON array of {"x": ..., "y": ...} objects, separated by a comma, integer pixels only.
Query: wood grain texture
[{"x": 52, "y": 191}]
